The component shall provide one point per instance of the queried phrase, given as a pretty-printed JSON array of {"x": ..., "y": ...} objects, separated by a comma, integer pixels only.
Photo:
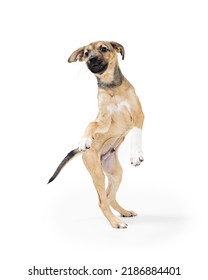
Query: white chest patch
[{"x": 118, "y": 107}]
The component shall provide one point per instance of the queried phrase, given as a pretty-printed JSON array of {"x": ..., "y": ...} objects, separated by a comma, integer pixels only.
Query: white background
[{"x": 45, "y": 106}]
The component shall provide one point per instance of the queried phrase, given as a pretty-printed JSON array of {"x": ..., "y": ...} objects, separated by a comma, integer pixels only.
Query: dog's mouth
[{"x": 98, "y": 67}]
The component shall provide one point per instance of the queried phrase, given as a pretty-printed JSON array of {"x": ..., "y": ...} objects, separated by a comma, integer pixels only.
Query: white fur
[
  {"x": 85, "y": 144},
  {"x": 136, "y": 146},
  {"x": 116, "y": 108}
]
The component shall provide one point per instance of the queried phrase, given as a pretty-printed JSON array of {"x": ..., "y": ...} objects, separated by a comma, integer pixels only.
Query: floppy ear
[
  {"x": 119, "y": 48},
  {"x": 77, "y": 55}
]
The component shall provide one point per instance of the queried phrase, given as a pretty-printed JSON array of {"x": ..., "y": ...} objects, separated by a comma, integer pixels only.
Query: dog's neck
[{"x": 111, "y": 79}]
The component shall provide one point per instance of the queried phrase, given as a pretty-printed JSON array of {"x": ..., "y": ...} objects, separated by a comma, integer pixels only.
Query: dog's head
[{"x": 98, "y": 56}]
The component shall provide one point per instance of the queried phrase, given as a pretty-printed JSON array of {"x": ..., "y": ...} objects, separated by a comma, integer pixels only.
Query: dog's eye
[
  {"x": 86, "y": 54},
  {"x": 103, "y": 49}
]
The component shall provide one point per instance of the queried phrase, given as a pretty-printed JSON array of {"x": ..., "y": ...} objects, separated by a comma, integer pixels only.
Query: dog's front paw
[
  {"x": 137, "y": 158},
  {"x": 85, "y": 143}
]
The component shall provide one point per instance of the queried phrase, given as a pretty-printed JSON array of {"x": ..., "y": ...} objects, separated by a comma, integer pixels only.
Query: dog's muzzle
[{"x": 96, "y": 65}]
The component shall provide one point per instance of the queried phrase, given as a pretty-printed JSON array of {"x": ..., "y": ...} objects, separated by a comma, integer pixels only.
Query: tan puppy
[{"x": 119, "y": 112}]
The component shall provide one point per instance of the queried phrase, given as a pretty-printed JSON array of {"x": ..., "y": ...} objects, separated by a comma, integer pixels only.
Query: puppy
[{"x": 119, "y": 112}]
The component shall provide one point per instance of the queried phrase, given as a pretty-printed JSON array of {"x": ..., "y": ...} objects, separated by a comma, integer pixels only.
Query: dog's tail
[{"x": 67, "y": 158}]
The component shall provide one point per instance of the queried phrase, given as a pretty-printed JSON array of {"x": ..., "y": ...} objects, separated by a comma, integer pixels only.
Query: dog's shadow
[
  {"x": 143, "y": 219},
  {"x": 153, "y": 219},
  {"x": 158, "y": 227},
  {"x": 143, "y": 230}
]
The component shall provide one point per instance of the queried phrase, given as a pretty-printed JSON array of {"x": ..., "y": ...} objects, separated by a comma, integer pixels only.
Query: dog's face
[{"x": 98, "y": 56}]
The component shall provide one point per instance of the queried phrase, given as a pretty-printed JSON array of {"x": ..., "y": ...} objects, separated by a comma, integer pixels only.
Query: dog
[{"x": 120, "y": 112}]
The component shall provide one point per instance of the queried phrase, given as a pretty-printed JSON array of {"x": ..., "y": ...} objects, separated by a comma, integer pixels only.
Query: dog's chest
[
  {"x": 117, "y": 107},
  {"x": 120, "y": 112}
]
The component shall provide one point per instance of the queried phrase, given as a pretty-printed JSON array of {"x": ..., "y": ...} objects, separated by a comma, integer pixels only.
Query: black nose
[{"x": 93, "y": 59}]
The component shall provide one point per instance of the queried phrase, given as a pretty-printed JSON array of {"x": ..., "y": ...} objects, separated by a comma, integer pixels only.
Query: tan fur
[{"x": 119, "y": 111}]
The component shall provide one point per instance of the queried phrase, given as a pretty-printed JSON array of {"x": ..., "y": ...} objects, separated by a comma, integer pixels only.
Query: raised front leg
[
  {"x": 136, "y": 146},
  {"x": 100, "y": 125},
  {"x": 136, "y": 137},
  {"x": 86, "y": 140}
]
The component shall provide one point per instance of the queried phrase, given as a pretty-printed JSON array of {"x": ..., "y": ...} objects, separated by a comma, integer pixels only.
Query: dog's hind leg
[
  {"x": 93, "y": 165},
  {"x": 113, "y": 170}
]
